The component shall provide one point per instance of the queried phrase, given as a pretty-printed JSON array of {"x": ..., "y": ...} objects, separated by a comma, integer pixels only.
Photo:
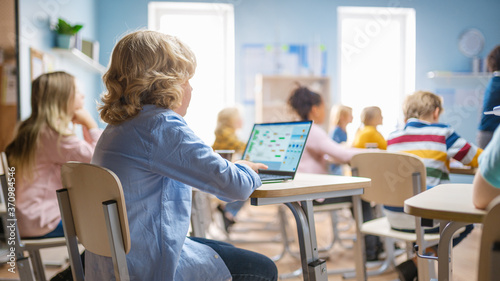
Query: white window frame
[{"x": 225, "y": 11}]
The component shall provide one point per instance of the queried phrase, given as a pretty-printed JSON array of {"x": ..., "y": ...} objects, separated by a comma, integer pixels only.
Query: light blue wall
[
  {"x": 35, "y": 18},
  {"x": 439, "y": 23},
  {"x": 438, "y": 26}
]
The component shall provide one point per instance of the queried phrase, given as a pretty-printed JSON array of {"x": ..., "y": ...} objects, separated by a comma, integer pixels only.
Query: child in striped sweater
[{"x": 436, "y": 143}]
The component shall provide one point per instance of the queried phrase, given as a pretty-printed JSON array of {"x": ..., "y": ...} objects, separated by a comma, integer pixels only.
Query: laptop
[{"x": 279, "y": 146}]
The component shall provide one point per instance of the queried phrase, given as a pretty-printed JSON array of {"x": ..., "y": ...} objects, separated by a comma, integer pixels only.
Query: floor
[{"x": 257, "y": 229}]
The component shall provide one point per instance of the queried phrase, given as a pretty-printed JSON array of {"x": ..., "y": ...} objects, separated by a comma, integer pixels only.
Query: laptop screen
[{"x": 278, "y": 145}]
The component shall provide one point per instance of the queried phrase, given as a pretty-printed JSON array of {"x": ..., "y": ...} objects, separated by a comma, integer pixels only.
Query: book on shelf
[{"x": 91, "y": 49}]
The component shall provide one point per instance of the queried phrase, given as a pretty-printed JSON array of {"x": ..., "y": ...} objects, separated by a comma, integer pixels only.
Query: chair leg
[
  {"x": 25, "y": 269},
  {"x": 38, "y": 267},
  {"x": 384, "y": 266}
]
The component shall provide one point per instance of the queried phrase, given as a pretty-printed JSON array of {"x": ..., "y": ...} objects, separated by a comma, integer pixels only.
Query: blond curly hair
[
  {"x": 421, "y": 104},
  {"x": 147, "y": 67}
]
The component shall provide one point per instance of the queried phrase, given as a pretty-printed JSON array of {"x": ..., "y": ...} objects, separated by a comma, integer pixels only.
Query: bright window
[
  {"x": 377, "y": 61},
  {"x": 209, "y": 30}
]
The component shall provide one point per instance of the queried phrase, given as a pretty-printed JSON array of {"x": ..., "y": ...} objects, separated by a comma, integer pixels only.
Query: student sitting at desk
[
  {"x": 340, "y": 117},
  {"x": 367, "y": 136},
  {"x": 158, "y": 158},
  {"x": 487, "y": 180},
  {"x": 43, "y": 143},
  {"x": 309, "y": 106},
  {"x": 228, "y": 122},
  {"x": 436, "y": 144}
]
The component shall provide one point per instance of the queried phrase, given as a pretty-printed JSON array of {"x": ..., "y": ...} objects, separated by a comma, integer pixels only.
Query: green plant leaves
[{"x": 63, "y": 27}]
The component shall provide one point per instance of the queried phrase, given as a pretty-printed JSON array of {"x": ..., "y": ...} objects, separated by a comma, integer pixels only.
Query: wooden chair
[
  {"x": 489, "y": 254},
  {"x": 30, "y": 267},
  {"x": 93, "y": 211},
  {"x": 395, "y": 178}
]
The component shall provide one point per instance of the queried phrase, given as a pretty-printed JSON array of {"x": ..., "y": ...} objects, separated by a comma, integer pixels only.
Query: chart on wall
[{"x": 268, "y": 59}]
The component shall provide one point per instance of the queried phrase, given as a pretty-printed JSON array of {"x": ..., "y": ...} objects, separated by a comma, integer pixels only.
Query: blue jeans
[
  {"x": 244, "y": 265},
  {"x": 57, "y": 232}
]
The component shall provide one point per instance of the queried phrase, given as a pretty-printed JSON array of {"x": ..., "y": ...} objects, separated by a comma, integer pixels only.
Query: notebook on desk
[{"x": 279, "y": 146}]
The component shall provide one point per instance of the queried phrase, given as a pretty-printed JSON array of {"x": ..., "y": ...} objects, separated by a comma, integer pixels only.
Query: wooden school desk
[
  {"x": 466, "y": 170},
  {"x": 452, "y": 204},
  {"x": 298, "y": 195}
]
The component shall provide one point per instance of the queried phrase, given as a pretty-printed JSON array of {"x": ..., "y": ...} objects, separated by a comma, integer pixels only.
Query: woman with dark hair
[{"x": 491, "y": 99}]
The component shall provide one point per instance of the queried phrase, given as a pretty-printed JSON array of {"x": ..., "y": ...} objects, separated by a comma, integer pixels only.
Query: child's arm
[
  {"x": 323, "y": 144},
  {"x": 382, "y": 143},
  {"x": 461, "y": 150}
]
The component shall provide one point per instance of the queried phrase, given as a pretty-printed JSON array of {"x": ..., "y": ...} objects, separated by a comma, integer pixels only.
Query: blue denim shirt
[{"x": 157, "y": 158}]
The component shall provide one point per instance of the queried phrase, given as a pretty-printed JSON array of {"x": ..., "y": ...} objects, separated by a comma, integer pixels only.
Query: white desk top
[
  {"x": 310, "y": 184},
  {"x": 452, "y": 202}
]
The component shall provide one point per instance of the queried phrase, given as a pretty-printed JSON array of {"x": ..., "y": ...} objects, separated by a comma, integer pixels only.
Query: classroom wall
[
  {"x": 438, "y": 26},
  {"x": 35, "y": 18}
]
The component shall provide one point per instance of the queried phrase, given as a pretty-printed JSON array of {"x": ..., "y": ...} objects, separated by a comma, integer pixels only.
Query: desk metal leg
[
  {"x": 444, "y": 251},
  {"x": 313, "y": 269},
  {"x": 360, "y": 241}
]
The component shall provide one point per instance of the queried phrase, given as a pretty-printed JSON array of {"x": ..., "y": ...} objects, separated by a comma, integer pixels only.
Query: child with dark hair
[{"x": 310, "y": 106}]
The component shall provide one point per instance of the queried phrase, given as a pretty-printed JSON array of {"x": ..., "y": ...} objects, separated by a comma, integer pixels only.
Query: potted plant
[{"x": 66, "y": 33}]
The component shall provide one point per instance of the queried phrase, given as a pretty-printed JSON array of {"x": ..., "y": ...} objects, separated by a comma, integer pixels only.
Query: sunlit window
[
  {"x": 209, "y": 30},
  {"x": 377, "y": 61}
]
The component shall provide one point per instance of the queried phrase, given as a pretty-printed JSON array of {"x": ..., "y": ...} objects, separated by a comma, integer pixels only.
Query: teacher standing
[{"x": 491, "y": 99}]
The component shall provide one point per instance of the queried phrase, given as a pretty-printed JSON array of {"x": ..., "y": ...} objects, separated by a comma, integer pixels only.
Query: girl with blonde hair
[
  {"x": 367, "y": 136},
  {"x": 158, "y": 159},
  {"x": 228, "y": 121},
  {"x": 43, "y": 143},
  {"x": 340, "y": 116}
]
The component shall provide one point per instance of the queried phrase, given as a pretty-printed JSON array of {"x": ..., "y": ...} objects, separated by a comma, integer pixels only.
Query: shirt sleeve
[
  {"x": 459, "y": 149},
  {"x": 322, "y": 144},
  {"x": 489, "y": 161},
  {"x": 382, "y": 143},
  {"x": 72, "y": 148},
  {"x": 180, "y": 155}
]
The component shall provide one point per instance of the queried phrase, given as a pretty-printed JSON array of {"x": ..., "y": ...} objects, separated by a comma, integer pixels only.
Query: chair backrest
[
  {"x": 489, "y": 254},
  {"x": 88, "y": 187},
  {"x": 395, "y": 176}
]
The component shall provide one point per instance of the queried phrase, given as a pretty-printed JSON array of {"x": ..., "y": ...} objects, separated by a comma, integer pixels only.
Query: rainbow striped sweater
[{"x": 436, "y": 144}]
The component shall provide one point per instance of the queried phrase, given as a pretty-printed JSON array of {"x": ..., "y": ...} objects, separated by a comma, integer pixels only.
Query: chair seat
[
  {"x": 381, "y": 227},
  {"x": 43, "y": 243}
]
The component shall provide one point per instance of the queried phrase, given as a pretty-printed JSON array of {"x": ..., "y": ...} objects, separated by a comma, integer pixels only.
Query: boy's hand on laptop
[{"x": 252, "y": 165}]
